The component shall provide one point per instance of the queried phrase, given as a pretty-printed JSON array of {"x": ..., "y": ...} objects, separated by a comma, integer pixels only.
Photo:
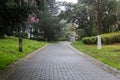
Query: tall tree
[
  {"x": 83, "y": 15},
  {"x": 12, "y": 14},
  {"x": 49, "y": 23}
]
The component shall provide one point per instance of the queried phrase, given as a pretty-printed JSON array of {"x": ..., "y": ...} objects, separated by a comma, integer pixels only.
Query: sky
[{"x": 73, "y": 1}]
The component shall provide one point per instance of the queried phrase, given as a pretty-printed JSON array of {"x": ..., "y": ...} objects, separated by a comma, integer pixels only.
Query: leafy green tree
[
  {"x": 13, "y": 14},
  {"x": 84, "y": 15},
  {"x": 49, "y": 23}
]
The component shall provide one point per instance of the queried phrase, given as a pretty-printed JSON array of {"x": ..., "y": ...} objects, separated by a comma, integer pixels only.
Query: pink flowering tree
[{"x": 32, "y": 18}]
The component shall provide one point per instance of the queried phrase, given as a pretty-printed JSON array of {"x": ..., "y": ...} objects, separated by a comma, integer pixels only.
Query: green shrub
[
  {"x": 89, "y": 40},
  {"x": 109, "y": 38},
  {"x": 105, "y": 40},
  {"x": 24, "y": 35},
  {"x": 38, "y": 38}
]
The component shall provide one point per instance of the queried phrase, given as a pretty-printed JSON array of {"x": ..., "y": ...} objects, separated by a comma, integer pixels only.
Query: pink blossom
[{"x": 33, "y": 18}]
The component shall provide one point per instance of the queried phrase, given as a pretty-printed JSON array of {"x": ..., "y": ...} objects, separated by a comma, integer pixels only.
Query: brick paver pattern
[{"x": 59, "y": 62}]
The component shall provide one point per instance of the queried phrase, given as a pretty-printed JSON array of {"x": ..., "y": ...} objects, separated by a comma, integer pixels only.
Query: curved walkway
[{"x": 59, "y": 62}]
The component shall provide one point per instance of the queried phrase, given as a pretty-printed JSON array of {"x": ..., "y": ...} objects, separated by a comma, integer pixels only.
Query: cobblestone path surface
[{"x": 59, "y": 62}]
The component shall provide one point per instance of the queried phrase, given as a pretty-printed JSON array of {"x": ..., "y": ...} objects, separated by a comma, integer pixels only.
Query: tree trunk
[{"x": 99, "y": 43}]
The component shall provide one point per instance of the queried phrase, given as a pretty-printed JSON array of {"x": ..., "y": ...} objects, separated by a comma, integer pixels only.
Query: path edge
[
  {"x": 102, "y": 65},
  {"x": 12, "y": 67}
]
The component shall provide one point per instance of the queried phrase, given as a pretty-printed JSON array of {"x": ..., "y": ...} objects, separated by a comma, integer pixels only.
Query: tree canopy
[
  {"x": 14, "y": 16},
  {"x": 84, "y": 15}
]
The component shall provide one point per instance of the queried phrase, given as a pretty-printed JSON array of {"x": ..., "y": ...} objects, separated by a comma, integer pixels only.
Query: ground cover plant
[
  {"x": 109, "y": 54},
  {"x": 9, "y": 50}
]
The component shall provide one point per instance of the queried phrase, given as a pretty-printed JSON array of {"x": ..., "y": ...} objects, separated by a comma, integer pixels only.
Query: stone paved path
[{"x": 59, "y": 62}]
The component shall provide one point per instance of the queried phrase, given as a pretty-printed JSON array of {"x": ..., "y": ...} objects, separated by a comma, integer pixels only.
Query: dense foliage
[
  {"x": 13, "y": 14},
  {"x": 37, "y": 17},
  {"x": 48, "y": 23},
  {"x": 106, "y": 38},
  {"x": 84, "y": 16}
]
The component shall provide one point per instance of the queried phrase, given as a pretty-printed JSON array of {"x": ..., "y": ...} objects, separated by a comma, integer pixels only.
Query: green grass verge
[
  {"x": 9, "y": 50},
  {"x": 110, "y": 54}
]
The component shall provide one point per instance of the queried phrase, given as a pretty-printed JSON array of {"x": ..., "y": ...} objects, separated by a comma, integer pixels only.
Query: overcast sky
[
  {"x": 73, "y": 1},
  {"x": 62, "y": 7}
]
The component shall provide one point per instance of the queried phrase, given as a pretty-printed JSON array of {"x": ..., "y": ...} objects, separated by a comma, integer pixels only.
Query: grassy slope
[
  {"x": 9, "y": 50},
  {"x": 110, "y": 54}
]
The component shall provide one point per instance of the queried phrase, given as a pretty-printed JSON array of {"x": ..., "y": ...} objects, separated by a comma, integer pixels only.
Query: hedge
[
  {"x": 109, "y": 38},
  {"x": 24, "y": 35}
]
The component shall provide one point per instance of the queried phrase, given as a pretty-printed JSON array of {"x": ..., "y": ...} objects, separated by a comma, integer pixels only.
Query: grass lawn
[
  {"x": 9, "y": 50},
  {"x": 110, "y": 54}
]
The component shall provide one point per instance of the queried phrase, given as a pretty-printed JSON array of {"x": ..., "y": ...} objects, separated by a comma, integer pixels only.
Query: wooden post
[
  {"x": 20, "y": 44},
  {"x": 19, "y": 35}
]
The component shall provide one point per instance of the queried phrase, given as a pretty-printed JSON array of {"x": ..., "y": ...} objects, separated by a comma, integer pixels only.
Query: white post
[
  {"x": 99, "y": 42},
  {"x": 28, "y": 34},
  {"x": 46, "y": 40}
]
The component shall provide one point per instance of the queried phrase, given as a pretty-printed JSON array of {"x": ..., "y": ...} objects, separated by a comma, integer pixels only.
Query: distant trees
[
  {"x": 84, "y": 15},
  {"x": 15, "y": 16}
]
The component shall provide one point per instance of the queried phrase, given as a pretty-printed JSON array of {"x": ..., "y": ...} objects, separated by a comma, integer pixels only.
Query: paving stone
[{"x": 59, "y": 62}]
